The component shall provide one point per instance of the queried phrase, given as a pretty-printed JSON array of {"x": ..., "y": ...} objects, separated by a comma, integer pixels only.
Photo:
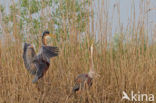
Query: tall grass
[{"x": 125, "y": 63}]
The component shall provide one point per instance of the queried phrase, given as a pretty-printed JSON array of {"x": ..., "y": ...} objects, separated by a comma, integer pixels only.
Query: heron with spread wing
[{"x": 38, "y": 64}]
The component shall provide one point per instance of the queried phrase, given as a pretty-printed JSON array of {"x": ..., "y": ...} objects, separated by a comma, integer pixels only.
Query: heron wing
[
  {"x": 41, "y": 69},
  {"x": 28, "y": 55},
  {"x": 49, "y": 51}
]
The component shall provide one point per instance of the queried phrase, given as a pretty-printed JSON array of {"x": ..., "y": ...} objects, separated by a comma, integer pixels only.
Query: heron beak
[{"x": 52, "y": 35}]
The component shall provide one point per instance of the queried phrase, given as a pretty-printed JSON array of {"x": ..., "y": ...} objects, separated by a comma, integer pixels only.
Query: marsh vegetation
[{"x": 125, "y": 58}]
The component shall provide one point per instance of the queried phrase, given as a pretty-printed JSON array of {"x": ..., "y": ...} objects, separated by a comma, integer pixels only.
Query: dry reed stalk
[
  {"x": 0, "y": 54},
  {"x": 127, "y": 66}
]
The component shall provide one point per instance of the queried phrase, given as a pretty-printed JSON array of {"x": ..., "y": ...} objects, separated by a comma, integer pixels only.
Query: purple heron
[
  {"x": 38, "y": 64},
  {"x": 87, "y": 78}
]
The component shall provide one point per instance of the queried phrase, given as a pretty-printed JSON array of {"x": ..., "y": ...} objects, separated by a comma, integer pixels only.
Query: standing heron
[
  {"x": 87, "y": 78},
  {"x": 38, "y": 64}
]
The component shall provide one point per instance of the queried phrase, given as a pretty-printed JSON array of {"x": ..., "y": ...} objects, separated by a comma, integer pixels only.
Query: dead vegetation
[{"x": 123, "y": 66}]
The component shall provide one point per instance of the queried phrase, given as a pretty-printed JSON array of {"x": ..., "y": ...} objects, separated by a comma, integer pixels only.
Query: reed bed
[{"x": 122, "y": 66}]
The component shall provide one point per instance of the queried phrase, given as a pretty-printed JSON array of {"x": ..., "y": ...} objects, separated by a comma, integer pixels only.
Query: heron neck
[
  {"x": 91, "y": 71},
  {"x": 92, "y": 63},
  {"x": 44, "y": 41}
]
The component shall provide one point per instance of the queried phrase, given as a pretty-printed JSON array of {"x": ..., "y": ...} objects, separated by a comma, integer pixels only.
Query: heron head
[{"x": 46, "y": 34}]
